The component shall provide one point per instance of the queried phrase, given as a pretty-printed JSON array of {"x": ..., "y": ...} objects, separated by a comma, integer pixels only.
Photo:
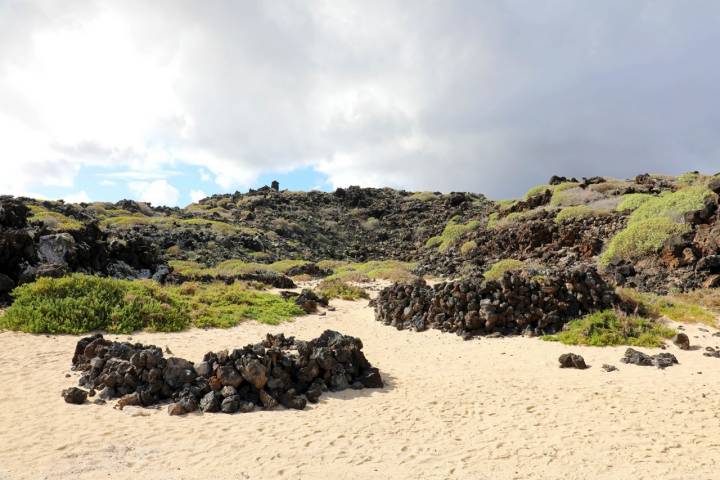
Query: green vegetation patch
[
  {"x": 672, "y": 205},
  {"x": 577, "y": 212},
  {"x": 53, "y": 220},
  {"x": 232, "y": 268},
  {"x": 498, "y": 269},
  {"x": 168, "y": 222},
  {"x": 632, "y": 201},
  {"x": 337, "y": 288},
  {"x": 451, "y": 234},
  {"x": 423, "y": 196},
  {"x": 641, "y": 238},
  {"x": 683, "y": 308},
  {"x": 392, "y": 270},
  {"x": 82, "y": 303},
  {"x": 468, "y": 247},
  {"x": 608, "y": 328},
  {"x": 222, "y": 306},
  {"x": 653, "y": 222}
]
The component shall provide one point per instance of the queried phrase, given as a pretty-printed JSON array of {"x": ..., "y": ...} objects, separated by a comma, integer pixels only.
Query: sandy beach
[{"x": 480, "y": 409}]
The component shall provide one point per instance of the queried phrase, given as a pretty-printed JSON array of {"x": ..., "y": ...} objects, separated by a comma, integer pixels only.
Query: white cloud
[
  {"x": 462, "y": 95},
  {"x": 158, "y": 192},
  {"x": 197, "y": 195},
  {"x": 77, "y": 197}
]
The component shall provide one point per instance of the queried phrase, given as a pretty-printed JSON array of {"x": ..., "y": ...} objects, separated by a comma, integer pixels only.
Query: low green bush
[
  {"x": 607, "y": 328},
  {"x": 579, "y": 211},
  {"x": 82, "y": 303},
  {"x": 632, "y": 201},
  {"x": 641, "y": 238},
  {"x": 468, "y": 247},
  {"x": 337, "y": 288},
  {"x": 498, "y": 269}
]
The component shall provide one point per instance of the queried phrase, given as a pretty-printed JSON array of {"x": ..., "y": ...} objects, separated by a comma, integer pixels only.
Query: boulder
[
  {"x": 572, "y": 360},
  {"x": 57, "y": 248},
  {"x": 75, "y": 395},
  {"x": 682, "y": 341}
]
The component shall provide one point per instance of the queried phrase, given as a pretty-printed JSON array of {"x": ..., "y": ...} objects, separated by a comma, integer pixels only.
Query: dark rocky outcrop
[
  {"x": 277, "y": 371},
  {"x": 516, "y": 303}
]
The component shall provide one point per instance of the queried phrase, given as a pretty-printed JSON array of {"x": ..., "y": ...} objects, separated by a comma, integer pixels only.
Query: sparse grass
[
  {"x": 392, "y": 270},
  {"x": 691, "y": 307},
  {"x": 632, "y": 201},
  {"x": 222, "y": 306},
  {"x": 168, "y": 222},
  {"x": 337, "y": 288},
  {"x": 495, "y": 221},
  {"x": 610, "y": 187},
  {"x": 653, "y": 222},
  {"x": 577, "y": 212},
  {"x": 53, "y": 220},
  {"x": 232, "y": 268},
  {"x": 451, "y": 234},
  {"x": 81, "y": 303},
  {"x": 574, "y": 196},
  {"x": 498, "y": 269},
  {"x": 608, "y": 328}
]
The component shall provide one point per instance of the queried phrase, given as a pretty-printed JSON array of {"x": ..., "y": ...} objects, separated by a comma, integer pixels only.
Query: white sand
[{"x": 482, "y": 409}]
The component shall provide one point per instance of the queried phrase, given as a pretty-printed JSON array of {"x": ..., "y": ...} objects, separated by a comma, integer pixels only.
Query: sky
[{"x": 169, "y": 101}]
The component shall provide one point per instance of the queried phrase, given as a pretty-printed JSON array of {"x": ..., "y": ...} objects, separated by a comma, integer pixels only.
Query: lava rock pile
[
  {"x": 517, "y": 303},
  {"x": 276, "y": 371}
]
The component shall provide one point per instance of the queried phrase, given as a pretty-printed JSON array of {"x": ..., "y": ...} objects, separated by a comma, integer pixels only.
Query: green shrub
[
  {"x": 579, "y": 211},
  {"x": 672, "y": 205},
  {"x": 423, "y": 196},
  {"x": 641, "y": 238},
  {"x": 498, "y": 269},
  {"x": 632, "y": 201},
  {"x": 468, "y": 247},
  {"x": 337, "y": 288},
  {"x": 653, "y": 222},
  {"x": 607, "y": 328},
  {"x": 433, "y": 242},
  {"x": 452, "y": 233},
  {"x": 82, "y": 303}
]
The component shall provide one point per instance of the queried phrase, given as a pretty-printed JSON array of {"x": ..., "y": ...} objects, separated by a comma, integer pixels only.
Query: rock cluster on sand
[
  {"x": 277, "y": 371},
  {"x": 517, "y": 303},
  {"x": 660, "y": 360}
]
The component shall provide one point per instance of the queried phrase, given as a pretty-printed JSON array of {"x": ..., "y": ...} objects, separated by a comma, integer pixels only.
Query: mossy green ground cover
[
  {"x": 607, "y": 328},
  {"x": 83, "y": 303}
]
